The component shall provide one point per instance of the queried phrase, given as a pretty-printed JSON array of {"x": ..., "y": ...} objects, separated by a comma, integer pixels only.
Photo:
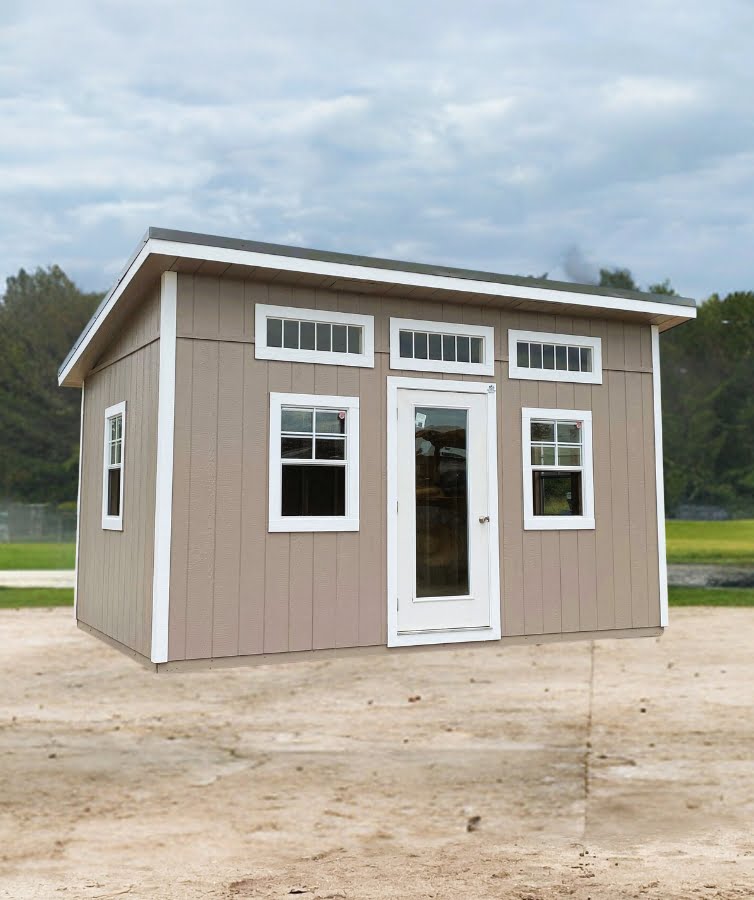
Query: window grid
[
  {"x": 318, "y": 438},
  {"x": 441, "y": 347},
  {"x": 555, "y": 357},
  {"x": 563, "y": 452},
  {"x": 112, "y": 467},
  {"x": 305, "y": 334}
]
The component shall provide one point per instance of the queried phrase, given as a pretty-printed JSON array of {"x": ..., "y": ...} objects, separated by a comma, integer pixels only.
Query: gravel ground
[
  {"x": 44, "y": 578},
  {"x": 620, "y": 769}
]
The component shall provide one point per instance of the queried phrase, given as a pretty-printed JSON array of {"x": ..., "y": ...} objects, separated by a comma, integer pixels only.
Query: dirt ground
[{"x": 614, "y": 770}]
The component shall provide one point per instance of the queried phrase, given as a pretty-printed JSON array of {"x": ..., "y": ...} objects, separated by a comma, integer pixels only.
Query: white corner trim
[
  {"x": 350, "y": 522},
  {"x": 485, "y": 332},
  {"x": 263, "y": 311},
  {"x": 113, "y": 523},
  {"x": 561, "y": 340},
  {"x": 395, "y": 638},
  {"x": 163, "y": 507},
  {"x": 78, "y": 509},
  {"x": 559, "y": 523},
  {"x": 659, "y": 480}
]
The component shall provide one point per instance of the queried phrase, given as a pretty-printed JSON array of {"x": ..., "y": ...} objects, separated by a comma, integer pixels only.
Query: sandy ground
[{"x": 615, "y": 770}]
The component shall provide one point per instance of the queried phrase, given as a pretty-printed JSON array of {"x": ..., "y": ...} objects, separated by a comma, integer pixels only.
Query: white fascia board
[{"x": 659, "y": 480}]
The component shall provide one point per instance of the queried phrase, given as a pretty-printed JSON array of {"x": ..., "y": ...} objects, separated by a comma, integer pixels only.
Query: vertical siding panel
[
  {"x": 603, "y": 533},
  {"x": 510, "y": 480},
  {"x": 372, "y": 460},
  {"x": 645, "y": 338},
  {"x": 653, "y": 578},
  {"x": 179, "y": 553},
  {"x": 637, "y": 509},
  {"x": 632, "y": 346},
  {"x": 153, "y": 375},
  {"x": 254, "y": 292},
  {"x": 569, "y": 558},
  {"x": 201, "y": 566},
  {"x": 301, "y": 592},
  {"x": 228, "y": 501},
  {"x": 532, "y": 544},
  {"x": 277, "y": 562},
  {"x": 206, "y": 306},
  {"x": 184, "y": 314},
  {"x": 613, "y": 349},
  {"x": 619, "y": 511},
  {"x": 587, "y": 554},
  {"x": 552, "y": 618},
  {"x": 231, "y": 312},
  {"x": 254, "y": 504},
  {"x": 135, "y": 608}
]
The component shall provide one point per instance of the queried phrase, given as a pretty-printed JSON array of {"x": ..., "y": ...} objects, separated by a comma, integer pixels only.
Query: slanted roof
[{"x": 163, "y": 249}]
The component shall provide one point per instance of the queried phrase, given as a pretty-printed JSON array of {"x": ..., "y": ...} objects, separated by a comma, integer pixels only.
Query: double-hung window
[
  {"x": 112, "y": 470},
  {"x": 314, "y": 463},
  {"x": 557, "y": 464}
]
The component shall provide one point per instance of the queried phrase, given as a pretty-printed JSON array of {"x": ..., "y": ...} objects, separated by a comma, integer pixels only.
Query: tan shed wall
[
  {"x": 236, "y": 589},
  {"x": 114, "y": 588},
  {"x": 141, "y": 327}
]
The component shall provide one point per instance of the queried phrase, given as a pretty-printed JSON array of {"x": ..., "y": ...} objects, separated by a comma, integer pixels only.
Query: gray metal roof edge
[{"x": 212, "y": 240}]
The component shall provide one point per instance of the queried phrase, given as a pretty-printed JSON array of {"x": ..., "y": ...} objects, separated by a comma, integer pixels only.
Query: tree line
[{"x": 707, "y": 393}]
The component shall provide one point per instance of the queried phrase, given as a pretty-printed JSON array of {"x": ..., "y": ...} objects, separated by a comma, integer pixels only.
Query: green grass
[
  {"x": 723, "y": 543},
  {"x": 37, "y": 556},
  {"x": 16, "y": 598},
  {"x": 699, "y": 596}
]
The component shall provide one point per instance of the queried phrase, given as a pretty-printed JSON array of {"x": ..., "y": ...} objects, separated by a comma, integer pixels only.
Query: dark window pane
[
  {"x": 307, "y": 335},
  {"x": 331, "y": 421},
  {"x": 340, "y": 338},
  {"x": 354, "y": 339},
  {"x": 313, "y": 490},
  {"x": 406, "y": 341},
  {"x": 274, "y": 333},
  {"x": 435, "y": 346},
  {"x": 113, "y": 492},
  {"x": 290, "y": 335},
  {"x": 476, "y": 350},
  {"x": 535, "y": 351},
  {"x": 449, "y": 348},
  {"x": 420, "y": 345},
  {"x": 296, "y": 448},
  {"x": 548, "y": 356},
  {"x": 292, "y": 419},
  {"x": 569, "y": 433},
  {"x": 330, "y": 448},
  {"x": 586, "y": 359},
  {"x": 561, "y": 359},
  {"x": 573, "y": 359},
  {"x": 543, "y": 455},
  {"x": 557, "y": 493},
  {"x": 543, "y": 431},
  {"x": 569, "y": 456},
  {"x": 324, "y": 336},
  {"x": 462, "y": 348},
  {"x": 522, "y": 354}
]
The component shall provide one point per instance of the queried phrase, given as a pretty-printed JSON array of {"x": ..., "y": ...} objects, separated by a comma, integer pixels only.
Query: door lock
[{"x": 484, "y": 519}]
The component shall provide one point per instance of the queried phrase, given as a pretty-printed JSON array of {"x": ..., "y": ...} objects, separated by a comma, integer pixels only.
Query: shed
[{"x": 288, "y": 453}]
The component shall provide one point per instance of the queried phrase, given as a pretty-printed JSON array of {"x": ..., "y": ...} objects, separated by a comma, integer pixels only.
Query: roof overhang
[{"x": 164, "y": 250}]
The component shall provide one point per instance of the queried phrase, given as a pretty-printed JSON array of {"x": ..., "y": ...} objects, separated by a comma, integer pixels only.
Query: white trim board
[
  {"x": 493, "y": 632},
  {"x": 113, "y": 523},
  {"x": 659, "y": 480},
  {"x": 163, "y": 507},
  {"x": 352, "y": 271},
  {"x": 560, "y": 340},
  {"x": 485, "y": 332}
]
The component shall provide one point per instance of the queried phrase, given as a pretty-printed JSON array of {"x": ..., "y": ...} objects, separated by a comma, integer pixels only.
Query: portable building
[{"x": 288, "y": 452}]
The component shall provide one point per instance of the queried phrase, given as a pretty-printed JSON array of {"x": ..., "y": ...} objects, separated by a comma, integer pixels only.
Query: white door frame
[{"x": 394, "y": 638}]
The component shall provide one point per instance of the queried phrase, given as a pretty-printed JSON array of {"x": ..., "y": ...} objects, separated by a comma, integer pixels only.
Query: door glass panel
[{"x": 442, "y": 546}]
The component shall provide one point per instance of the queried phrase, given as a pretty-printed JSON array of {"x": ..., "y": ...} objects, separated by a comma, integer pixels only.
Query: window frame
[
  {"x": 485, "y": 332},
  {"x": 560, "y": 340},
  {"x": 350, "y": 521},
  {"x": 264, "y": 311},
  {"x": 558, "y": 523},
  {"x": 113, "y": 523}
]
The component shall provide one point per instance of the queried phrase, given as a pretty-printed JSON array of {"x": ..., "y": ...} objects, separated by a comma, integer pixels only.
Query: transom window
[
  {"x": 310, "y": 335},
  {"x": 313, "y": 463},
  {"x": 112, "y": 478},
  {"x": 441, "y": 347},
  {"x": 555, "y": 357},
  {"x": 558, "y": 484}
]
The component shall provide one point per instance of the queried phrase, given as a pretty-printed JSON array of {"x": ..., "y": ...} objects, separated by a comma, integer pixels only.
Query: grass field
[
  {"x": 16, "y": 598},
  {"x": 37, "y": 556},
  {"x": 723, "y": 543}
]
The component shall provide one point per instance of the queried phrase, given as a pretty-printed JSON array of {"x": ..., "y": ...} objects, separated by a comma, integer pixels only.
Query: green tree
[
  {"x": 618, "y": 278},
  {"x": 41, "y": 315}
]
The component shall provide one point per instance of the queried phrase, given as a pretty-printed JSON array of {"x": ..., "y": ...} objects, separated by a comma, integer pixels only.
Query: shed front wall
[
  {"x": 236, "y": 589},
  {"x": 114, "y": 571}
]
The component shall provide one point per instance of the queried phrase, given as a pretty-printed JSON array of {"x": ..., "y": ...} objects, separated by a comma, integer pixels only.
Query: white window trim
[
  {"x": 486, "y": 332},
  {"x": 559, "y": 523},
  {"x": 562, "y": 340},
  {"x": 264, "y": 311},
  {"x": 349, "y": 522},
  {"x": 113, "y": 523}
]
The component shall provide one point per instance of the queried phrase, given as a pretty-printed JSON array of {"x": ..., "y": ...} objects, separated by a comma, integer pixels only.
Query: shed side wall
[
  {"x": 114, "y": 577},
  {"x": 237, "y": 590}
]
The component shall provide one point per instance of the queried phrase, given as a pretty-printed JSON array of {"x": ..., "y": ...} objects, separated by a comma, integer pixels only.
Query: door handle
[{"x": 484, "y": 519}]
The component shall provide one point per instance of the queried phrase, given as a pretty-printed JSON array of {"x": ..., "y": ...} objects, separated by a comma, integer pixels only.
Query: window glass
[
  {"x": 308, "y": 335},
  {"x": 313, "y": 490},
  {"x": 542, "y": 431},
  {"x": 324, "y": 336},
  {"x": 522, "y": 352},
  {"x": 354, "y": 339},
  {"x": 542, "y": 455},
  {"x": 435, "y": 346},
  {"x": 586, "y": 359},
  {"x": 331, "y": 421},
  {"x": 569, "y": 433},
  {"x": 449, "y": 348},
  {"x": 420, "y": 345},
  {"x": 331, "y": 448},
  {"x": 295, "y": 447},
  {"x": 339, "y": 338},
  {"x": 290, "y": 335},
  {"x": 548, "y": 356},
  {"x": 292, "y": 419},
  {"x": 462, "y": 348},
  {"x": 535, "y": 356},
  {"x": 561, "y": 359},
  {"x": 274, "y": 332},
  {"x": 557, "y": 493},
  {"x": 406, "y": 344},
  {"x": 569, "y": 456},
  {"x": 573, "y": 359},
  {"x": 113, "y": 492},
  {"x": 476, "y": 350}
]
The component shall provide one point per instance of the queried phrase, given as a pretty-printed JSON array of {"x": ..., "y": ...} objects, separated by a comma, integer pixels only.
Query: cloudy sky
[{"x": 524, "y": 138}]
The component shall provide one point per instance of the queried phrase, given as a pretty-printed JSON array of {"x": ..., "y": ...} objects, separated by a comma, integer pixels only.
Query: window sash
[
  {"x": 113, "y": 465},
  {"x": 425, "y": 346},
  {"x": 548, "y": 356}
]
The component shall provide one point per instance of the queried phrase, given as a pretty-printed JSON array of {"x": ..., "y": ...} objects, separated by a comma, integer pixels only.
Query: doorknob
[{"x": 484, "y": 519}]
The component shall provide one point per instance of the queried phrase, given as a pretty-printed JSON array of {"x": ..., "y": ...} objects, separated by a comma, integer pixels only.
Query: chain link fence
[{"x": 37, "y": 522}]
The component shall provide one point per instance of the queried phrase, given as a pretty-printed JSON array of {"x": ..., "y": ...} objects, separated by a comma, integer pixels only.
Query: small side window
[{"x": 112, "y": 469}]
